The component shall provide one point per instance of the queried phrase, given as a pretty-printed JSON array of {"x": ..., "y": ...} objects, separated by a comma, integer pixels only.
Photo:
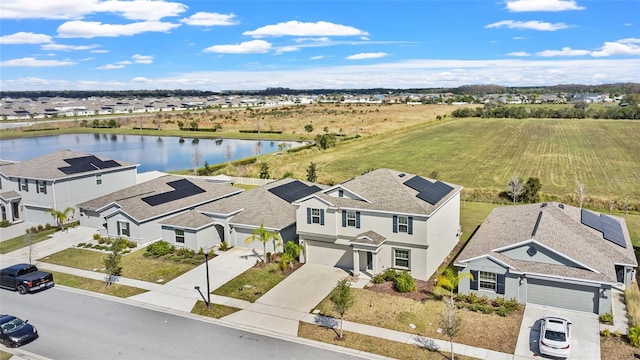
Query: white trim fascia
[
  {"x": 215, "y": 214},
  {"x": 349, "y": 190},
  {"x": 488, "y": 256},
  {"x": 300, "y": 201},
  {"x": 624, "y": 264},
  {"x": 569, "y": 280},
  {"x": 187, "y": 227},
  {"x": 102, "y": 208},
  {"x": 547, "y": 248},
  {"x": 33, "y": 206},
  {"x": 252, "y": 226},
  {"x": 384, "y": 212}
]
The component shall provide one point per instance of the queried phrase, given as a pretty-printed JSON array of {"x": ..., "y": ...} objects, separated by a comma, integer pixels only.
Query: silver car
[{"x": 555, "y": 336}]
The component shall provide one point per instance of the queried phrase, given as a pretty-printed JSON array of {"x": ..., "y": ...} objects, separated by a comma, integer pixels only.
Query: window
[
  {"x": 351, "y": 218},
  {"x": 487, "y": 280},
  {"x": 98, "y": 179},
  {"x": 340, "y": 193},
  {"x": 24, "y": 186},
  {"x": 403, "y": 224},
  {"x": 315, "y": 216},
  {"x": 123, "y": 228},
  {"x": 401, "y": 258},
  {"x": 180, "y": 236},
  {"x": 41, "y": 186}
]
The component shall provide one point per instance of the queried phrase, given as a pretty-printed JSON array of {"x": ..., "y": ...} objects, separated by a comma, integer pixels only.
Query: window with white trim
[
  {"x": 41, "y": 186},
  {"x": 351, "y": 218},
  {"x": 487, "y": 280},
  {"x": 401, "y": 258},
  {"x": 98, "y": 179},
  {"x": 179, "y": 236},
  {"x": 315, "y": 216},
  {"x": 123, "y": 228},
  {"x": 403, "y": 224},
  {"x": 24, "y": 186}
]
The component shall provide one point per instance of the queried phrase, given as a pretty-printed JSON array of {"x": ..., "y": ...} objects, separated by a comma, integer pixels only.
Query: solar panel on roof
[
  {"x": 417, "y": 183},
  {"x": 181, "y": 189},
  {"x": 293, "y": 191},
  {"x": 434, "y": 193},
  {"x": 591, "y": 220},
  {"x": 612, "y": 231},
  {"x": 86, "y": 163}
]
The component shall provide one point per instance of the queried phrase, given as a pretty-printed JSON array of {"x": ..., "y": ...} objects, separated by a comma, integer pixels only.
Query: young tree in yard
[
  {"x": 516, "y": 188},
  {"x": 531, "y": 188},
  {"x": 112, "y": 262},
  {"x": 264, "y": 236},
  {"x": 264, "y": 171},
  {"x": 450, "y": 322},
  {"x": 449, "y": 279},
  {"x": 311, "y": 172},
  {"x": 342, "y": 299},
  {"x": 580, "y": 191},
  {"x": 62, "y": 216}
]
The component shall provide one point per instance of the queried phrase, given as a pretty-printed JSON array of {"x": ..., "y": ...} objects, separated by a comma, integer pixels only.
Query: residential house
[
  {"x": 550, "y": 254},
  {"x": 234, "y": 219},
  {"x": 379, "y": 220},
  {"x": 136, "y": 212},
  {"x": 58, "y": 180}
]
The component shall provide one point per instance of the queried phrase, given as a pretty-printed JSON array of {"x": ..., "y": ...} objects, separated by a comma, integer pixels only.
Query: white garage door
[
  {"x": 567, "y": 296},
  {"x": 319, "y": 252}
]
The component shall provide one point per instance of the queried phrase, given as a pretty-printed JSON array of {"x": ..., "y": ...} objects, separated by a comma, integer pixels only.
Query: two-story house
[
  {"x": 57, "y": 181},
  {"x": 379, "y": 220}
]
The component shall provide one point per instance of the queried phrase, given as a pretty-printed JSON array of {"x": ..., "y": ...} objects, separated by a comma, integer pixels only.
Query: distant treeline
[
  {"x": 620, "y": 88},
  {"x": 580, "y": 111}
]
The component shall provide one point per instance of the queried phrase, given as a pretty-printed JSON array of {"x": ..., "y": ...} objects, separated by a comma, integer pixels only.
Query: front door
[
  {"x": 16, "y": 213},
  {"x": 369, "y": 260}
]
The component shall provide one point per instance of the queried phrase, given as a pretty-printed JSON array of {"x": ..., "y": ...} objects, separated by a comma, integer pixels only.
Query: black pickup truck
[{"x": 25, "y": 278}]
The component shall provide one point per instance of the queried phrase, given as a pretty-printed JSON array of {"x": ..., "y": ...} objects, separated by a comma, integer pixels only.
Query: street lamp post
[{"x": 206, "y": 261}]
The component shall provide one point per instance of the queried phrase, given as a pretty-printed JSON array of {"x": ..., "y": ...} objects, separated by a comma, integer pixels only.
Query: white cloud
[
  {"x": 323, "y": 39},
  {"x": 627, "y": 24},
  {"x": 620, "y": 47},
  {"x": 529, "y": 25},
  {"x": 25, "y": 38},
  {"x": 362, "y": 56},
  {"x": 100, "y": 51},
  {"x": 77, "y": 9},
  {"x": 210, "y": 19},
  {"x": 317, "y": 57},
  {"x": 286, "y": 49},
  {"x": 297, "y": 28},
  {"x": 542, "y": 5},
  {"x": 141, "y": 79},
  {"x": 91, "y": 29},
  {"x": 519, "y": 38},
  {"x": 123, "y": 62},
  {"x": 566, "y": 51},
  {"x": 143, "y": 59},
  {"x": 519, "y": 53},
  {"x": 111, "y": 66},
  {"x": 61, "y": 47},
  {"x": 247, "y": 47},
  {"x": 33, "y": 62}
]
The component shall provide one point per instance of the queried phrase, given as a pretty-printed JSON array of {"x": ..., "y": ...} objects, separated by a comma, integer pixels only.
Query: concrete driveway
[{"x": 585, "y": 336}]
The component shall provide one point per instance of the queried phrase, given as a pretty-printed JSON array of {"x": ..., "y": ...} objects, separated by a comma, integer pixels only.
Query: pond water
[{"x": 162, "y": 153}]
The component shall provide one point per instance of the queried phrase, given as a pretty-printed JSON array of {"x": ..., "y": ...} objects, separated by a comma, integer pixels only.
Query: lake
[{"x": 162, "y": 153}]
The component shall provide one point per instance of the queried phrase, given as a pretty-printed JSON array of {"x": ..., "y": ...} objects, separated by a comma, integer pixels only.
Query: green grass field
[{"x": 485, "y": 153}]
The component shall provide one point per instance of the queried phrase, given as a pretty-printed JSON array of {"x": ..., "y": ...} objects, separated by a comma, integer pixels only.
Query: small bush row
[
  {"x": 402, "y": 280},
  {"x": 166, "y": 251},
  {"x": 99, "y": 247},
  {"x": 37, "y": 229},
  {"x": 499, "y": 305}
]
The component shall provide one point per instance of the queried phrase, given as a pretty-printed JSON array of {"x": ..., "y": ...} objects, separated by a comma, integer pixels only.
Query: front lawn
[
  {"x": 370, "y": 344},
  {"x": 134, "y": 265},
  {"x": 216, "y": 311},
  {"x": 397, "y": 312},
  {"x": 253, "y": 283},
  {"x": 21, "y": 241},
  {"x": 93, "y": 285}
]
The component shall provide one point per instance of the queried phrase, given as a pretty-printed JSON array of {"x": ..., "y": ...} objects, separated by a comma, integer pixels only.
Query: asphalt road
[{"x": 78, "y": 326}]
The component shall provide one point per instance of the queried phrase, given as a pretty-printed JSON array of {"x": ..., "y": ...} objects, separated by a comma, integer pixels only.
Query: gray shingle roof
[
  {"x": 560, "y": 230},
  {"x": 190, "y": 219},
  {"x": 130, "y": 199},
  {"x": 385, "y": 190},
  {"x": 258, "y": 205},
  {"x": 369, "y": 237},
  {"x": 46, "y": 167},
  {"x": 10, "y": 195}
]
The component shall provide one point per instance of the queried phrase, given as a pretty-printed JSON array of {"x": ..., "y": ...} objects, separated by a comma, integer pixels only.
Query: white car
[{"x": 555, "y": 336}]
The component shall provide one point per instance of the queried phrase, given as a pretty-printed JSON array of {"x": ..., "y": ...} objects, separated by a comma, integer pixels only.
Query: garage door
[
  {"x": 567, "y": 296},
  {"x": 319, "y": 252}
]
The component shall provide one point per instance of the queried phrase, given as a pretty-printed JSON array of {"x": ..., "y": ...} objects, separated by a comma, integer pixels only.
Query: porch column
[{"x": 356, "y": 262}]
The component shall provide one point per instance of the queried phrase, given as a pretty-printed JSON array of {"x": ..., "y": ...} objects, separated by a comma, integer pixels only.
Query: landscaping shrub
[
  {"x": 502, "y": 311},
  {"x": 185, "y": 253},
  {"x": 40, "y": 228},
  {"x": 96, "y": 236},
  {"x": 47, "y": 226},
  {"x": 224, "y": 246},
  {"x": 606, "y": 318},
  {"x": 390, "y": 274},
  {"x": 512, "y": 305},
  {"x": 404, "y": 282},
  {"x": 4, "y": 223},
  {"x": 606, "y": 332},
  {"x": 499, "y": 301},
  {"x": 159, "y": 248},
  {"x": 487, "y": 309},
  {"x": 377, "y": 279},
  {"x": 102, "y": 240},
  {"x": 484, "y": 300},
  {"x": 634, "y": 336},
  {"x": 292, "y": 249},
  {"x": 472, "y": 298},
  {"x": 131, "y": 244}
]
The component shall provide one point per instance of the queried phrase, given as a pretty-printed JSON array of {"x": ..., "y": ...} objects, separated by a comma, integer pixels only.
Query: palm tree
[
  {"x": 264, "y": 236},
  {"x": 62, "y": 216},
  {"x": 449, "y": 279}
]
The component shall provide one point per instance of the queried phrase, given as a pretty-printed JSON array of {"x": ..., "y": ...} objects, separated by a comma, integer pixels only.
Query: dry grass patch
[
  {"x": 372, "y": 344},
  {"x": 632, "y": 300},
  {"x": 397, "y": 312},
  {"x": 134, "y": 265},
  {"x": 215, "y": 311},
  {"x": 93, "y": 285}
]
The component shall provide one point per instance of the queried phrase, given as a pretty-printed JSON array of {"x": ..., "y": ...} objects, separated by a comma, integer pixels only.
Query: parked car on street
[
  {"x": 16, "y": 332},
  {"x": 555, "y": 336},
  {"x": 25, "y": 278}
]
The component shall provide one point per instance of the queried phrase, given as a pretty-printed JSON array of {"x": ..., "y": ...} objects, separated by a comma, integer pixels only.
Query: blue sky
[{"x": 243, "y": 44}]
